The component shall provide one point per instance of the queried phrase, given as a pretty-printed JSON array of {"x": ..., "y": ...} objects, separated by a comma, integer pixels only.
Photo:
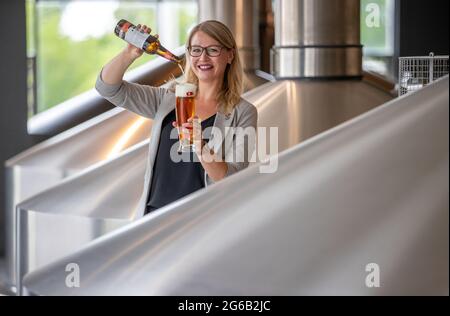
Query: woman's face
[{"x": 209, "y": 68}]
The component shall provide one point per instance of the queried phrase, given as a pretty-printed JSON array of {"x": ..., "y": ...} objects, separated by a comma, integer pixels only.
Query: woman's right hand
[
  {"x": 132, "y": 50},
  {"x": 114, "y": 71}
]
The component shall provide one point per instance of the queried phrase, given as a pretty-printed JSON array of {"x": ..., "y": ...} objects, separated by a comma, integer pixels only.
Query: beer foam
[{"x": 185, "y": 90}]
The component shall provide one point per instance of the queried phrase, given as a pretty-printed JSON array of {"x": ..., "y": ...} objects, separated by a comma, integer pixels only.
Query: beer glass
[{"x": 185, "y": 109}]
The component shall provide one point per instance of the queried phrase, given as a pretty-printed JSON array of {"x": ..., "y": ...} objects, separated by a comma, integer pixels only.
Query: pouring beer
[{"x": 185, "y": 109}]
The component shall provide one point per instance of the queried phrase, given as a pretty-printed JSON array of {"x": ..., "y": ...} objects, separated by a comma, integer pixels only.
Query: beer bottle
[{"x": 148, "y": 43}]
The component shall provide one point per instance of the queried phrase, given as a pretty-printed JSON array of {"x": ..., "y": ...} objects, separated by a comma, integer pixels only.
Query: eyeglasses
[{"x": 211, "y": 51}]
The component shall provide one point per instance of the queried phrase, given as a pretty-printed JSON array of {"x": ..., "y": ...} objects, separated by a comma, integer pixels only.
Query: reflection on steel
[
  {"x": 302, "y": 109},
  {"x": 48, "y": 163},
  {"x": 124, "y": 140},
  {"x": 373, "y": 190},
  {"x": 80, "y": 209}
]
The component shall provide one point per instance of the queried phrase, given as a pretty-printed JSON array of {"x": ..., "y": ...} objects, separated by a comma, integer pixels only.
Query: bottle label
[{"x": 135, "y": 37}]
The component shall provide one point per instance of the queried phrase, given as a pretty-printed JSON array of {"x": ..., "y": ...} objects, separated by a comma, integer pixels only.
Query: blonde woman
[{"x": 212, "y": 63}]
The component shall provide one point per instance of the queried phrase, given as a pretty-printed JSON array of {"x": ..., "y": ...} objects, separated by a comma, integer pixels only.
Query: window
[
  {"x": 69, "y": 41},
  {"x": 377, "y": 35}
]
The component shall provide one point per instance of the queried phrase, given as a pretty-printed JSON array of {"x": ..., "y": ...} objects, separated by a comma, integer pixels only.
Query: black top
[{"x": 172, "y": 180}]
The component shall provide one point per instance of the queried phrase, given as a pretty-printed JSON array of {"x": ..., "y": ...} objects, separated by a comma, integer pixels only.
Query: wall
[
  {"x": 421, "y": 28},
  {"x": 13, "y": 92}
]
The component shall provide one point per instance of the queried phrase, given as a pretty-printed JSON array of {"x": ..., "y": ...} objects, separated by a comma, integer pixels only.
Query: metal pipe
[{"x": 317, "y": 39}]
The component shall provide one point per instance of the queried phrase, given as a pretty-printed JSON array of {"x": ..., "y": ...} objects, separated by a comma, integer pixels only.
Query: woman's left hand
[
  {"x": 193, "y": 124},
  {"x": 216, "y": 169},
  {"x": 196, "y": 126}
]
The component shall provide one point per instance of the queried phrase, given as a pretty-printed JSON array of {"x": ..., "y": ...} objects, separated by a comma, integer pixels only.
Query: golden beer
[{"x": 185, "y": 109}]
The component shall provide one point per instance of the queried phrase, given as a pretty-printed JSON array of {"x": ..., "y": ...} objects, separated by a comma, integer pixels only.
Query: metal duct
[
  {"x": 99, "y": 139},
  {"x": 317, "y": 39},
  {"x": 242, "y": 17},
  {"x": 373, "y": 190}
]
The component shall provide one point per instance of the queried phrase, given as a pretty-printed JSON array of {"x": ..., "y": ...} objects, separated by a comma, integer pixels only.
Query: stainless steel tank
[
  {"x": 83, "y": 207},
  {"x": 317, "y": 61},
  {"x": 301, "y": 106},
  {"x": 369, "y": 194}
]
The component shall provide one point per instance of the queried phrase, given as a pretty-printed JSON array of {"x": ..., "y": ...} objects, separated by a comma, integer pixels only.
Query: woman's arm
[
  {"x": 143, "y": 100},
  {"x": 214, "y": 167},
  {"x": 243, "y": 142},
  {"x": 114, "y": 71}
]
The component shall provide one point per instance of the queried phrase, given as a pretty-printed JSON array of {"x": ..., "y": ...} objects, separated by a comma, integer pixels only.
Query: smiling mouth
[{"x": 205, "y": 67}]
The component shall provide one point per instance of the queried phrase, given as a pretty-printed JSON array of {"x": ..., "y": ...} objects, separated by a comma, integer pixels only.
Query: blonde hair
[{"x": 230, "y": 94}]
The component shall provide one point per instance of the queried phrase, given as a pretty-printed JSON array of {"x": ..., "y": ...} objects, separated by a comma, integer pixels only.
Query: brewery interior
[{"x": 356, "y": 90}]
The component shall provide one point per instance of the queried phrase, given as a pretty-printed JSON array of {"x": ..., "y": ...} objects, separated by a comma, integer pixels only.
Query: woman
[{"x": 213, "y": 64}]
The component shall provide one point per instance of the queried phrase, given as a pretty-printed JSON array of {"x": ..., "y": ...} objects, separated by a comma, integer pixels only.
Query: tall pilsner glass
[{"x": 185, "y": 109}]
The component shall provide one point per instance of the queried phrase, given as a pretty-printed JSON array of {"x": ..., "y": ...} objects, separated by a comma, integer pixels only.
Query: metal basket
[{"x": 417, "y": 72}]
